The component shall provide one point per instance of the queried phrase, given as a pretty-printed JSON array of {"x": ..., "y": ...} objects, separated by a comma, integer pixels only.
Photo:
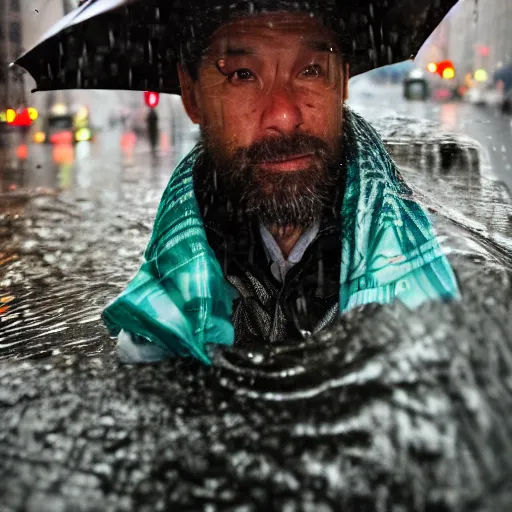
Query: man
[
  {"x": 153, "y": 131},
  {"x": 287, "y": 214}
]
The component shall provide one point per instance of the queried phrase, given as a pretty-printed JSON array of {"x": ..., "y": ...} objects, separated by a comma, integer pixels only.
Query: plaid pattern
[
  {"x": 180, "y": 299},
  {"x": 389, "y": 249}
]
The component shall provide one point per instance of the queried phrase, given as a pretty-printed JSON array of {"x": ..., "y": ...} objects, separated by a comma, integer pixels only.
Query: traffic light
[
  {"x": 446, "y": 69},
  {"x": 151, "y": 98},
  {"x": 24, "y": 118}
]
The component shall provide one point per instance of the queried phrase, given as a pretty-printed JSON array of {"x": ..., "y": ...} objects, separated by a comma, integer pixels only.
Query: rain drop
[
  {"x": 150, "y": 52},
  {"x": 390, "y": 54}
]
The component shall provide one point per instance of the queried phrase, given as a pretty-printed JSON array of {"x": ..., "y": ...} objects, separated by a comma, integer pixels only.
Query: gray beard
[
  {"x": 280, "y": 199},
  {"x": 293, "y": 202}
]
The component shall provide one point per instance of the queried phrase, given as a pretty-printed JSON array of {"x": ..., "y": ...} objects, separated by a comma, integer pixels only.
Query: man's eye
[
  {"x": 313, "y": 71},
  {"x": 242, "y": 75}
]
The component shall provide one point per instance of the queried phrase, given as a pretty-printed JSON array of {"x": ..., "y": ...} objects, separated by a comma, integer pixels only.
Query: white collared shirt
[{"x": 280, "y": 265}]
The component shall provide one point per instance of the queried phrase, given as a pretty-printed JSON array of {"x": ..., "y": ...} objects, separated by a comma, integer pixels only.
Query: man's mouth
[{"x": 289, "y": 163}]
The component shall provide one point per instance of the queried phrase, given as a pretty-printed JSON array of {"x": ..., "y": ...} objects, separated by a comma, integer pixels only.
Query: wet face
[{"x": 269, "y": 101}]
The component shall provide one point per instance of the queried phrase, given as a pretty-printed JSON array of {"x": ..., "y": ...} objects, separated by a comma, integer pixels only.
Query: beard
[{"x": 281, "y": 199}]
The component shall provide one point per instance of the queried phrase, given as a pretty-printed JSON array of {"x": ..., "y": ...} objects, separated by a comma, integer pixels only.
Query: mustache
[
  {"x": 278, "y": 148},
  {"x": 283, "y": 199}
]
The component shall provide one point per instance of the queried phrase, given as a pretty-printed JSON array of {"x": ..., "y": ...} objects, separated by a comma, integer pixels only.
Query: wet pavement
[
  {"x": 488, "y": 127},
  {"x": 378, "y": 413}
]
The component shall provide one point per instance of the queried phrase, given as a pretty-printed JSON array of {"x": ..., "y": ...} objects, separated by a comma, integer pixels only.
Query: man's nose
[{"x": 282, "y": 113}]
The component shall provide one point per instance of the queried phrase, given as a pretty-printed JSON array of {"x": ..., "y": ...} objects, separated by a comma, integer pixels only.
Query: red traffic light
[
  {"x": 446, "y": 69},
  {"x": 24, "y": 118},
  {"x": 151, "y": 98}
]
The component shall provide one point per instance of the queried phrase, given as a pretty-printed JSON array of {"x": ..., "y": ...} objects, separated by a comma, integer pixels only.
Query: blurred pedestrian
[{"x": 153, "y": 131}]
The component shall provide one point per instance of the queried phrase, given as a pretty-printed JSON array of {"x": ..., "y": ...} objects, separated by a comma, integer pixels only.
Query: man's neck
[{"x": 286, "y": 238}]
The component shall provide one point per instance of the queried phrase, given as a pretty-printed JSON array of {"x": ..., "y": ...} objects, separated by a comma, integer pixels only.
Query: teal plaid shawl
[{"x": 180, "y": 300}]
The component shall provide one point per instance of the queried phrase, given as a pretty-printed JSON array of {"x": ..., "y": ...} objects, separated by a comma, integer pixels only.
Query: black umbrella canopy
[{"x": 136, "y": 44}]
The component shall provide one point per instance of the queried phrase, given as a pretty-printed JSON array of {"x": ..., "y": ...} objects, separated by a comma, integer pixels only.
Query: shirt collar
[{"x": 274, "y": 252}]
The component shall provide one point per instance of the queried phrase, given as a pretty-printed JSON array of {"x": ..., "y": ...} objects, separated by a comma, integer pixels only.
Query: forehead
[{"x": 271, "y": 29}]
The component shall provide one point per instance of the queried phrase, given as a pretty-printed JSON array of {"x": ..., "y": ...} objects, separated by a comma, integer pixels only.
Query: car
[
  {"x": 64, "y": 125},
  {"x": 416, "y": 86}
]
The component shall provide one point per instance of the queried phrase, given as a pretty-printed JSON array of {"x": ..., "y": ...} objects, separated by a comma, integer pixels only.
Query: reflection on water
[
  {"x": 87, "y": 170},
  {"x": 449, "y": 112}
]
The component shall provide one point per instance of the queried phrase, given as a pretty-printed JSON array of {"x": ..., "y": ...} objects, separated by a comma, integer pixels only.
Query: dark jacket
[{"x": 268, "y": 310}]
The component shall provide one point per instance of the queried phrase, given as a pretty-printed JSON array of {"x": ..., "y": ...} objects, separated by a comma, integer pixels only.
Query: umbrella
[{"x": 135, "y": 44}]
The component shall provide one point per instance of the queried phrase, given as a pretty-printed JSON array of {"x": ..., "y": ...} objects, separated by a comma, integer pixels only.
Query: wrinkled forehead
[{"x": 283, "y": 29}]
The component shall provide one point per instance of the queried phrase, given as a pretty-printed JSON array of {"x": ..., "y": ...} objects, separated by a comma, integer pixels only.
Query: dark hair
[{"x": 192, "y": 67}]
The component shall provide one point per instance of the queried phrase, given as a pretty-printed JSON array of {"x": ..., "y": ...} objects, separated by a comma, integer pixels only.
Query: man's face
[{"x": 269, "y": 100}]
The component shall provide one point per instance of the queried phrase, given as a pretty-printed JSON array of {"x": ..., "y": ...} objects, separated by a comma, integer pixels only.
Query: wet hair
[{"x": 199, "y": 26}]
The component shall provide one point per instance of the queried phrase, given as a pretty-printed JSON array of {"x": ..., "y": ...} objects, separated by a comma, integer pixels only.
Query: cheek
[
  {"x": 323, "y": 114},
  {"x": 232, "y": 119}
]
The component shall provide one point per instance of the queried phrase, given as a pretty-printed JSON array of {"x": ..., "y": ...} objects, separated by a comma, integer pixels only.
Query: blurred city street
[
  {"x": 489, "y": 127},
  {"x": 99, "y": 166},
  {"x": 86, "y": 169}
]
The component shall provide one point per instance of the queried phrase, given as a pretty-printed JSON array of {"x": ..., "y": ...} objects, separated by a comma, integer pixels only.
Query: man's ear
[{"x": 189, "y": 95}]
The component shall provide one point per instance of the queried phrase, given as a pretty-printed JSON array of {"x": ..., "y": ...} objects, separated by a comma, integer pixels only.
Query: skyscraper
[{"x": 12, "y": 92}]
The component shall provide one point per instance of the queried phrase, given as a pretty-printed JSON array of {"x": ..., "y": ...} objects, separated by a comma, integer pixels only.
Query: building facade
[
  {"x": 481, "y": 36},
  {"x": 12, "y": 92}
]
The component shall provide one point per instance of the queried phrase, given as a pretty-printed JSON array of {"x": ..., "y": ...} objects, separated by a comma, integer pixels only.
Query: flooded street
[
  {"x": 55, "y": 248},
  {"x": 364, "y": 412}
]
